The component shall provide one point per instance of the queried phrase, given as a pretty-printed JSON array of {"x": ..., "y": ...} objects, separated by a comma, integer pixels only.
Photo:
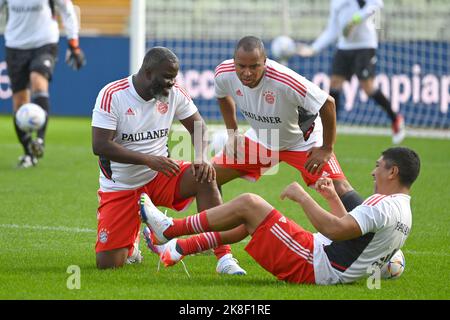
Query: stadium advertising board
[{"x": 417, "y": 87}]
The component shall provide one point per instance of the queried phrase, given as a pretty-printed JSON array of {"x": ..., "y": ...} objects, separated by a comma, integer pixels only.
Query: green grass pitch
[{"x": 48, "y": 222}]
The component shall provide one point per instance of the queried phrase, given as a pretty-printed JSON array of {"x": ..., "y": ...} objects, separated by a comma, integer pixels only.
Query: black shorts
[
  {"x": 361, "y": 62},
  {"x": 20, "y": 63}
]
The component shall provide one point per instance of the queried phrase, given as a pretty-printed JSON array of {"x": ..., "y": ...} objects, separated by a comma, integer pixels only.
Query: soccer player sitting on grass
[
  {"x": 130, "y": 130},
  {"x": 346, "y": 246}
]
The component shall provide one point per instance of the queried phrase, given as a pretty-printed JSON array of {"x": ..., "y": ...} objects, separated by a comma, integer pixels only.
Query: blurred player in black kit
[{"x": 31, "y": 39}]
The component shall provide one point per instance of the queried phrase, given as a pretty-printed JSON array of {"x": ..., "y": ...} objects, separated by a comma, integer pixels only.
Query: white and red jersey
[
  {"x": 385, "y": 223},
  {"x": 283, "y": 100},
  {"x": 139, "y": 125}
]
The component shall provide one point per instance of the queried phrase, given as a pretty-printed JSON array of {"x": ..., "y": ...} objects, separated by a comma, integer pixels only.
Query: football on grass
[{"x": 394, "y": 267}]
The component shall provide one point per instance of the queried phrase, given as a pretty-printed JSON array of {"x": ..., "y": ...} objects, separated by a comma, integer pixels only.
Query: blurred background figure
[
  {"x": 350, "y": 24},
  {"x": 31, "y": 40}
]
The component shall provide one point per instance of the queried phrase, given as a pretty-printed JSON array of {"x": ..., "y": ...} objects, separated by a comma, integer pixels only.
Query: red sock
[
  {"x": 199, "y": 243},
  {"x": 197, "y": 223},
  {"x": 222, "y": 250}
]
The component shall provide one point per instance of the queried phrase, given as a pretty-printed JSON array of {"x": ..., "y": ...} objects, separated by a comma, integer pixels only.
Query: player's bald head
[
  {"x": 157, "y": 56},
  {"x": 249, "y": 44}
]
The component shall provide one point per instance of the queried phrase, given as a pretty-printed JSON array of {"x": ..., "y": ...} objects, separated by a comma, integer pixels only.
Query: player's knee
[
  {"x": 39, "y": 79},
  {"x": 110, "y": 259},
  {"x": 206, "y": 186},
  {"x": 104, "y": 264},
  {"x": 250, "y": 201}
]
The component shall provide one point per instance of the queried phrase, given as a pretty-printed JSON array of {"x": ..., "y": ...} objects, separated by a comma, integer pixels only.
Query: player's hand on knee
[
  {"x": 234, "y": 146},
  {"x": 203, "y": 171},
  {"x": 74, "y": 55},
  {"x": 294, "y": 192},
  {"x": 325, "y": 187},
  {"x": 165, "y": 165},
  {"x": 230, "y": 146},
  {"x": 317, "y": 158}
]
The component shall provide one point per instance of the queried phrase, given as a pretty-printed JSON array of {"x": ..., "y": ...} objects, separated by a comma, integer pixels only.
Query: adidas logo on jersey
[
  {"x": 130, "y": 112},
  {"x": 239, "y": 93},
  {"x": 282, "y": 219}
]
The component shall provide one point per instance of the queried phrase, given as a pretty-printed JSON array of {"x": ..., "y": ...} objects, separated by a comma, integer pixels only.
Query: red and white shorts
[
  {"x": 257, "y": 159},
  {"x": 283, "y": 248},
  {"x": 117, "y": 214}
]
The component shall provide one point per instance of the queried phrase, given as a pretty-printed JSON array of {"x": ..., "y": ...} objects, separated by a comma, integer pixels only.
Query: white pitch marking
[{"x": 48, "y": 228}]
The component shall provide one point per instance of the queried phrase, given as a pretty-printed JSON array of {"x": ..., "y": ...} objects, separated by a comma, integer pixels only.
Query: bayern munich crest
[
  {"x": 269, "y": 96},
  {"x": 103, "y": 236},
  {"x": 162, "y": 107}
]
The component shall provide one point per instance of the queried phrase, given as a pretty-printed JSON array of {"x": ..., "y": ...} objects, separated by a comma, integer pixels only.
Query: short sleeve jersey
[
  {"x": 32, "y": 24},
  {"x": 283, "y": 100},
  {"x": 385, "y": 223},
  {"x": 139, "y": 125}
]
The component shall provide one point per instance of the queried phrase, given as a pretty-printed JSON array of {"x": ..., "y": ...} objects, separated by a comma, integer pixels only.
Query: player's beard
[
  {"x": 162, "y": 98},
  {"x": 159, "y": 93}
]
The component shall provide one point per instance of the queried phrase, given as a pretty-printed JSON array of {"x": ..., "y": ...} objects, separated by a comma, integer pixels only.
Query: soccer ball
[
  {"x": 394, "y": 268},
  {"x": 30, "y": 117},
  {"x": 283, "y": 47}
]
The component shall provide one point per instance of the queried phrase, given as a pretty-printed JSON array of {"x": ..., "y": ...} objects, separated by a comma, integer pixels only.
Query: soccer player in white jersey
[
  {"x": 291, "y": 120},
  {"x": 347, "y": 246},
  {"x": 351, "y": 25},
  {"x": 31, "y": 39},
  {"x": 130, "y": 128}
]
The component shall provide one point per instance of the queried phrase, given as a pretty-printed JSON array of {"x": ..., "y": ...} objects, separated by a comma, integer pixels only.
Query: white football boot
[
  {"x": 157, "y": 221},
  {"x": 170, "y": 256},
  {"x": 229, "y": 265},
  {"x": 147, "y": 233}
]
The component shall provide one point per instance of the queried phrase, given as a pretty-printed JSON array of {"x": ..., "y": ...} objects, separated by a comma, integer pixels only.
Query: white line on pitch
[{"x": 49, "y": 228}]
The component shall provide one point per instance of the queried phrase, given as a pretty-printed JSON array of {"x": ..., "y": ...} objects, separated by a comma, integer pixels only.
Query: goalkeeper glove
[
  {"x": 74, "y": 55},
  {"x": 356, "y": 19}
]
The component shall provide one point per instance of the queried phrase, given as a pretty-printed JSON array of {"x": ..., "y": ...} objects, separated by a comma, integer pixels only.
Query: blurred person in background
[
  {"x": 31, "y": 40},
  {"x": 350, "y": 24}
]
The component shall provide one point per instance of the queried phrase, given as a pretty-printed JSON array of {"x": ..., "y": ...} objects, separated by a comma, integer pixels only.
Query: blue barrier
[
  {"x": 74, "y": 92},
  {"x": 415, "y": 75}
]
